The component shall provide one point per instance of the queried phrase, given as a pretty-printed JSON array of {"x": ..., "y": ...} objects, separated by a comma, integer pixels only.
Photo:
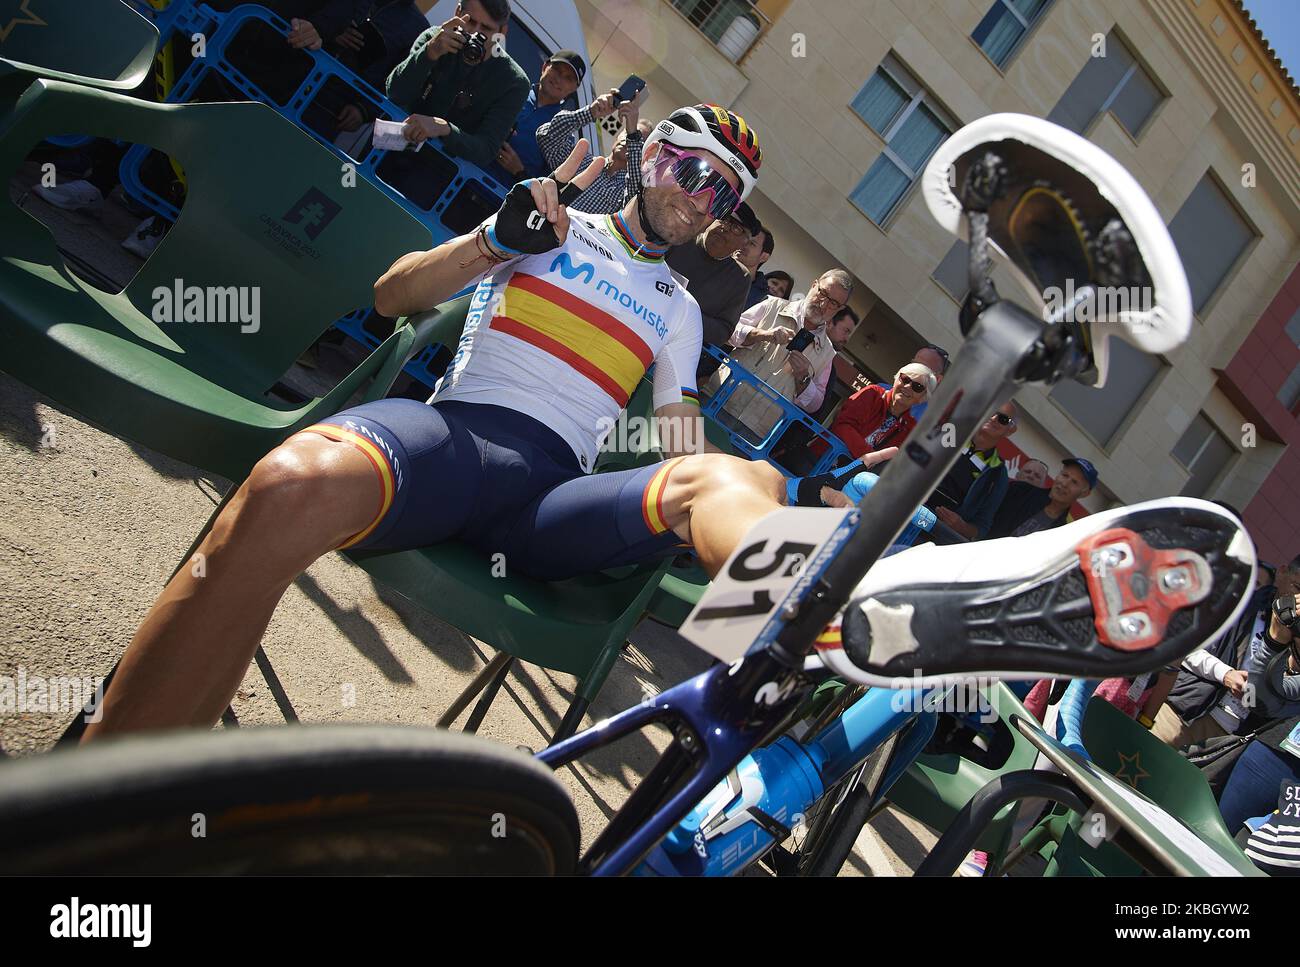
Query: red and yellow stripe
[
  {"x": 652, "y": 501},
  {"x": 377, "y": 460},
  {"x": 830, "y": 638},
  {"x": 593, "y": 342}
]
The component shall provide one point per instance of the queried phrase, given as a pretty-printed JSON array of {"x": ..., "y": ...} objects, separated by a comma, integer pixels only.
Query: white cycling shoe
[{"x": 1115, "y": 594}]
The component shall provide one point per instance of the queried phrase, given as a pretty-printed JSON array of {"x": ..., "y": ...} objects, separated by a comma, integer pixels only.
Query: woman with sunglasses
[{"x": 874, "y": 418}]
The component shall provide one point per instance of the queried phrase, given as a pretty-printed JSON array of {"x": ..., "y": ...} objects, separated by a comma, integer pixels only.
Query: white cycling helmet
[
  {"x": 715, "y": 129},
  {"x": 1069, "y": 216}
]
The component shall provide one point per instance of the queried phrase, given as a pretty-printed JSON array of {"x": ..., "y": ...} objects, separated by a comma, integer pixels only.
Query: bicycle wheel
[
  {"x": 298, "y": 800},
  {"x": 832, "y": 824}
]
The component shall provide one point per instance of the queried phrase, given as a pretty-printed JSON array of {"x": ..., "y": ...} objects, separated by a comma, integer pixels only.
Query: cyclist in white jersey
[
  {"x": 500, "y": 456},
  {"x": 570, "y": 312}
]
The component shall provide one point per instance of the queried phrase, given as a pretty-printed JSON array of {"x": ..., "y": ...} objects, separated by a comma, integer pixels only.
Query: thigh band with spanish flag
[{"x": 595, "y": 522}]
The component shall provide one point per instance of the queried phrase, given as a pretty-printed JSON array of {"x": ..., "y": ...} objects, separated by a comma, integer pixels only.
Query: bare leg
[
  {"x": 712, "y": 500},
  {"x": 190, "y": 653}
]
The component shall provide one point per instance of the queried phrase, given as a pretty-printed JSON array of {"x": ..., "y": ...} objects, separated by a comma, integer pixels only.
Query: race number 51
[{"x": 758, "y": 577}]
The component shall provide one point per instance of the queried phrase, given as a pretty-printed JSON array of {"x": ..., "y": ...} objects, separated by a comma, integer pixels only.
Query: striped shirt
[{"x": 608, "y": 193}]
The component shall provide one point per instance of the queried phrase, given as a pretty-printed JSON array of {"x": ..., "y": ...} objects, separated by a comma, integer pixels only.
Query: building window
[
  {"x": 1116, "y": 83},
  {"x": 1005, "y": 25},
  {"x": 1204, "y": 452},
  {"x": 1211, "y": 236},
  {"x": 953, "y": 273},
  {"x": 1101, "y": 412},
  {"x": 732, "y": 25},
  {"x": 1293, "y": 327},
  {"x": 912, "y": 125},
  {"x": 1289, "y": 394}
]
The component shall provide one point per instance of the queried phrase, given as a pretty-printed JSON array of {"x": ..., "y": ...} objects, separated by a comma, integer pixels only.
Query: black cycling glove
[{"x": 519, "y": 228}]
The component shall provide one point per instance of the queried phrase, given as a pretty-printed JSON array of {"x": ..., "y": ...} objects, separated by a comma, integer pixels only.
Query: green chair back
[
  {"x": 1133, "y": 755},
  {"x": 266, "y": 214},
  {"x": 102, "y": 43}
]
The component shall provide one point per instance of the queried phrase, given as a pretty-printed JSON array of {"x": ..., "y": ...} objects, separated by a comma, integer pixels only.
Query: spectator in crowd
[
  {"x": 935, "y": 359},
  {"x": 1032, "y": 472},
  {"x": 874, "y": 418},
  {"x": 1270, "y": 766},
  {"x": 779, "y": 284},
  {"x": 716, "y": 280},
  {"x": 621, "y": 177},
  {"x": 1209, "y": 698},
  {"x": 471, "y": 107},
  {"x": 787, "y": 344},
  {"x": 521, "y": 155},
  {"x": 752, "y": 255},
  {"x": 1027, "y": 508},
  {"x": 369, "y": 37},
  {"x": 969, "y": 495},
  {"x": 1274, "y": 673}
]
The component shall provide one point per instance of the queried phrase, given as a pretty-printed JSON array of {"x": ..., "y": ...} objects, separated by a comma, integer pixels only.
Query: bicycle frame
[{"x": 721, "y": 716}]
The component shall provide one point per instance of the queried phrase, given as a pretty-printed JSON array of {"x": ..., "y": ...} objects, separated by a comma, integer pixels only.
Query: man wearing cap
[
  {"x": 718, "y": 282},
  {"x": 521, "y": 154},
  {"x": 970, "y": 494},
  {"x": 1028, "y": 508},
  {"x": 470, "y": 107},
  {"x": 620, "y": 179}
]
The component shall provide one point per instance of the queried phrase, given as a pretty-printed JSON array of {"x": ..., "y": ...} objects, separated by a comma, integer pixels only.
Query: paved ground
[{"x": 91, "y": 526}]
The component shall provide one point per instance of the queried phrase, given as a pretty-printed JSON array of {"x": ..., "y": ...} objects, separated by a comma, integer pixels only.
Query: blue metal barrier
[
  {"x": 450, "y": 196},
  {"x": 744, "y": 439}
]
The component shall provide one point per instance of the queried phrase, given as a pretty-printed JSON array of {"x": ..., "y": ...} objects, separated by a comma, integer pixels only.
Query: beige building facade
[{"x": 1217, "y": 139}]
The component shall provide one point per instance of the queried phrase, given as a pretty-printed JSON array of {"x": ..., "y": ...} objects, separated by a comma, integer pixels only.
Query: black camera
[
  {"x": 475, "y": 48},
  {"x": 1284, "y": 606}
]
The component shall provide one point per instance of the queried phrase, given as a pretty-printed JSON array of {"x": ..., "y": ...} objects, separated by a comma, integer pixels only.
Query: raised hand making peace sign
[{"x": 534, "y": 218}]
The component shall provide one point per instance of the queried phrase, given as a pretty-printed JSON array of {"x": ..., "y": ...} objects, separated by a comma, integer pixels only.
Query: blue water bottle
[{"x": 731, "y": 826}]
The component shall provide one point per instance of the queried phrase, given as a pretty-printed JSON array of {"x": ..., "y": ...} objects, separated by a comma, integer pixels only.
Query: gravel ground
[{"x": 91, "y": 526}]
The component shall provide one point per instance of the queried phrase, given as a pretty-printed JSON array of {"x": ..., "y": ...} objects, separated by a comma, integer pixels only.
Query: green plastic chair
[
  {"x": 1120, "y": 746},
  {"x": 936, "y": 787},
  {"x": 577, "y": 626},
  {"x": 265, "y": 210},
  {"x": 102, "y": 43}
]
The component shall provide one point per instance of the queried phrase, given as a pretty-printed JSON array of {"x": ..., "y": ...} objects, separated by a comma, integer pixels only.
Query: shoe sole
[{"x": 1151, "y": 584}]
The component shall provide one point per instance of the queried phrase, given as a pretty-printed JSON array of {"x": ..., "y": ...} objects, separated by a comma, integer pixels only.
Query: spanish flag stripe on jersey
[
  {"x": 584, "y": 312},
  {"x": 652, "y": 503},
  {"x": 531, "y": 334},
  {"x": 594, "y": 343},
  {"x": 377, "y": 460}
]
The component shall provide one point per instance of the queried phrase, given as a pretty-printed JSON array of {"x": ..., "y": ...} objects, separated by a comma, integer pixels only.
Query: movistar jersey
[{"x": 566, "y": 336}]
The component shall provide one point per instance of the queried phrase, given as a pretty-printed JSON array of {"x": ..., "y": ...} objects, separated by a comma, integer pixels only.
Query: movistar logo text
[{"x": 571, "y": 268}]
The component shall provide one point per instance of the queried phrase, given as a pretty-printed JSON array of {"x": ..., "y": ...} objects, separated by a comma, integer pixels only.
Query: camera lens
[{"x": 475, "y": 49}]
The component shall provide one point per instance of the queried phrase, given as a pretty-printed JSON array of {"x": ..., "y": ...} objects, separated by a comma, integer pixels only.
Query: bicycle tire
[
  {"x": 836, "y": 819},
  {"x": 297, "y": 800}
]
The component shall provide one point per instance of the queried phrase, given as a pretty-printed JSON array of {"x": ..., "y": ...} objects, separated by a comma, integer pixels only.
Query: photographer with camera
[
  {"x": 1214, "y": 693},
  {"x": 1270, "y": 763},
  {"x": 460, "y": 85}
]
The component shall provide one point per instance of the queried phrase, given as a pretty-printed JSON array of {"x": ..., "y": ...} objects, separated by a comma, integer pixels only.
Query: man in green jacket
[{"x": 470, "y": 107}]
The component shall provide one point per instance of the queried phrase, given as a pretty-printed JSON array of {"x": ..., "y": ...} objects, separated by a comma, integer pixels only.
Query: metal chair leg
[
  {"x": 481, "y": 681},
  {"x": 489, "y": 693}
]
